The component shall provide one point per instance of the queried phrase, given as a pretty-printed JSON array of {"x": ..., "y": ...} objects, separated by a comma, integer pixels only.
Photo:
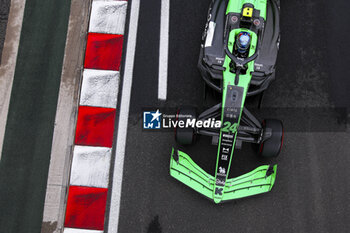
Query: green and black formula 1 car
[{"x": 237, "y": 59}]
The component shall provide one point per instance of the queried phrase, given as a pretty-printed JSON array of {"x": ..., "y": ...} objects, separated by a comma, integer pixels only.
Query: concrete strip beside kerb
[
  {"x": 8, "y": 61},
  {"x": 63, "y": 138}
]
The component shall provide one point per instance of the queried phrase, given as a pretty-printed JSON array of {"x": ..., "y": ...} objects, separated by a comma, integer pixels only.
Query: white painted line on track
[
  {"x": 123, "y": 119},
  {"x": 163, "y": 50}
]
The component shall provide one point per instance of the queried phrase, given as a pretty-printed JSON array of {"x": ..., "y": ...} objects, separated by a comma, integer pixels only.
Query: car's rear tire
[
  {"x": 185, "y": 136},
  {"x": 272, "y": 146}
]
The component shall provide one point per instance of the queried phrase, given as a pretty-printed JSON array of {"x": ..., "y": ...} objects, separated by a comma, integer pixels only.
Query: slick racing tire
[
  {"x": 185, "y": 136},
  {"x": 272, "y": 146}
]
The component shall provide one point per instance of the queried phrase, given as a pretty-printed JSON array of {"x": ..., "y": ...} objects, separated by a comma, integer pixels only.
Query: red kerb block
[
  {"x": 86, "y": 207},
  {"x": 95, "y": 126},
  {"x": 103, "y": 51}
]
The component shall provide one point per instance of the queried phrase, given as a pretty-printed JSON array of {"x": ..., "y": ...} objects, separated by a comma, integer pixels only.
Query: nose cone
[{"x": 217, "y": 199}]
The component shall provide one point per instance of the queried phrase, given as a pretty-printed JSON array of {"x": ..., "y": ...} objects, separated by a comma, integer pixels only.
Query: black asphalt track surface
[
  {"x": 312, "y": 186},
  {"x": 310, "y": 95},
  {"x": 28, "y": 136}
]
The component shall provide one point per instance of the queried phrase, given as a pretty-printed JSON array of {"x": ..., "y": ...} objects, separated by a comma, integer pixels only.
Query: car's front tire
[
  {"x": 272, "y": 146},
  {"x": 185, "y": 136}
]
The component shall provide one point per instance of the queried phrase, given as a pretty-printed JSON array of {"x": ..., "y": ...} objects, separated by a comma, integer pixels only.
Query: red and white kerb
[{"x": 88, "y": 186}]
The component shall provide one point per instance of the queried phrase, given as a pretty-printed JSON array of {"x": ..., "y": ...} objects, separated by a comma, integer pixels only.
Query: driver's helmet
[{"x": 243, "y": 42}]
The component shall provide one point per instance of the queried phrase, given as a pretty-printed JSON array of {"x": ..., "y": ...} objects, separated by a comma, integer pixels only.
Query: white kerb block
[
  {"x": 99, "y": 88},
  {"x": 108, "y": 17},
  {"x": 90, "y": 166}
]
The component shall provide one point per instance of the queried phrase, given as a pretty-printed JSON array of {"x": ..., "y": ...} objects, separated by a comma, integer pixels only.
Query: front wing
[{"x": 184, "y": 169}]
